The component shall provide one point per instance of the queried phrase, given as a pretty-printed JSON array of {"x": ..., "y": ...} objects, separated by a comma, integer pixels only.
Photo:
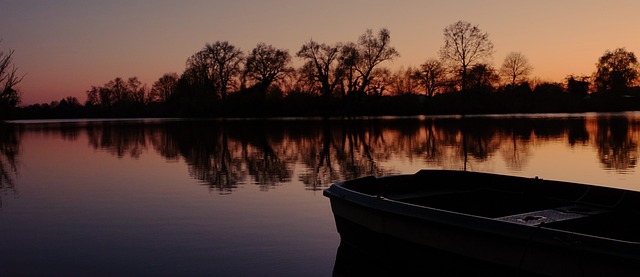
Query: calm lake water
[{"x": 244, "y": 197}]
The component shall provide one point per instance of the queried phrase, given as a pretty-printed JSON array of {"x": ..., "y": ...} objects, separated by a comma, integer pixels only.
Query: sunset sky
[{"x": 66, "y": 46}]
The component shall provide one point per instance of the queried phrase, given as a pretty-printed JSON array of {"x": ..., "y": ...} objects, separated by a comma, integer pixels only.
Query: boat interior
[{"x": 588, "y": 209}]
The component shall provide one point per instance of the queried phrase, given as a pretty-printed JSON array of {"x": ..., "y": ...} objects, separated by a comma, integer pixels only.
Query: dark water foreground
[{"x": 244, "y": 197}]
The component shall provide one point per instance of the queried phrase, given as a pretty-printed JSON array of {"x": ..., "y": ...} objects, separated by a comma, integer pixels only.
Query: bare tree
[
  {"x": 226, "y": 60},
  {"x": 306, "y": 79},
  {"x": 97, "y": 97},
  {"x": 9, "y": 78},
  {"x": 380, "y": 81},
  {"x": 297, "y": 81},
  {"x": 358, "y": 60},
  {"x": 164, "y": 87},
  {"x": 266, "y": 64},
  {"x": 348, "y": 60},
  {"x": 117, "y": 92},
  {"x": 465, "y": 45},
  {"x": 403, "y": 82},
  {"x": 515, "y": 68},
  {"x": 322, "y": 65},
  {"x": 198, "y": 74},
  {"x": 431, "y": 76},
  {"x": 372, "y": 50},
  {"x": 136, "y": 90}
]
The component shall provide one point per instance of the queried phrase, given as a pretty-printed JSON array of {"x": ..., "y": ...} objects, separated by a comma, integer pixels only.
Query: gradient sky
[{"x": 66, "y": 46}]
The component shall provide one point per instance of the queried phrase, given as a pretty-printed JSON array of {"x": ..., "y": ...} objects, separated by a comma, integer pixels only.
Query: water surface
[{"x": 244, "y": 197}]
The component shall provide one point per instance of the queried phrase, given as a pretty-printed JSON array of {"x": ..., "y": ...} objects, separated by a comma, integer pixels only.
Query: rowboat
[{"x": 525, "y": 225}]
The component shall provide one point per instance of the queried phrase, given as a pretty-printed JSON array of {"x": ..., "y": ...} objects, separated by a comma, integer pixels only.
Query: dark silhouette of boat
[{"x": 525, "y": 226}]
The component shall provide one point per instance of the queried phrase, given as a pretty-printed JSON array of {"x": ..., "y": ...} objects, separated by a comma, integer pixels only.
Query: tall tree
[
  {"x": 515, "y": 68},
  {"x": 266, "y": 64},
  {"x": 199, "y": 74},
  {"x": 9, "y": 78},
  {"x": 322, "y": 65},
  {"x": 616, "y": 71},
  {"x": 226, "y": 60},
  {"x": 372, "y": 50},
  {"x": 348, "y": 60},
  {"x": 431, "y": 75},
  {"x": 465, "y": 45}
]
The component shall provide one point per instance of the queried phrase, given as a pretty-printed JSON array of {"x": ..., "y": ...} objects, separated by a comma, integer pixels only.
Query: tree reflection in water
[
  {"x": 9, "y": 151},
  {"x": 617, "y": 140},
  {"x": 223, "y": 154}
]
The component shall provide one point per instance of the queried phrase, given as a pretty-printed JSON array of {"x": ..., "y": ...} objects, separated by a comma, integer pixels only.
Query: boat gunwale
[{"x": 462, "y": 220}]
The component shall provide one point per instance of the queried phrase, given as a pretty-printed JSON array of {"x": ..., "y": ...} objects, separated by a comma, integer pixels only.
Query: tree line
[{"x": 348, "y": 78}]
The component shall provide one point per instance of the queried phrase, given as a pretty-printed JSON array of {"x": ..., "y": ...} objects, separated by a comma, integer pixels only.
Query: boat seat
[{"x": 552, "y": 215}]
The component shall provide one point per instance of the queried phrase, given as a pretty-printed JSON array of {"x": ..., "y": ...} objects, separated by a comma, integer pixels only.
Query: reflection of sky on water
[
  {"x": 245, "y": 197},
  {"x": 82, "y": 211}
]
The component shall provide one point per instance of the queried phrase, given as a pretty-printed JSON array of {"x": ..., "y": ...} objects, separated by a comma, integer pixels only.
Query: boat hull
[{"x": 389, "y": 227}]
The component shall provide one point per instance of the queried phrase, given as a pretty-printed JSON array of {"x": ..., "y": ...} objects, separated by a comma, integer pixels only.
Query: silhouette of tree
[
  {"x": 303, "y": 80},
  {"x": 72, "y": 101},
  {"x": 515, "y": 68},
  {"x": 164, "y": 87},
  {"x": 127, "y": 94},
  {"x": 371, "y": 50},
  {"x": 97, "y": 96},
  {"x": 136, "y": 90},
  {"x": 349, "y": 71},
  {"x": 380, "y": 81},
  {"x": 199, "y": 74},
  {"x": 9, "y": 78},
  {"x": 195, "y": 93},
  {"x": 117, "y": 89},
  {"x": 322, "y": 66},
  {"x": 226, "y": 60},
  {"x": 299, "y": 81},
  {"x": 431, "y": 75},
  {"x": 68, "y": 107},
  {"x": 616, "y": 71},
  {"x": 348, "y": 60},
  {"x": 482, "y": 77},
  {"x": 464, "y": 46},
  {"x": 578, "y": 85},
  {"x": 403, "y": 82},
  {"x": 266, "y": 64},
  {"x": 548, "y": 88},
  {"x": 129, "y": 91}
]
